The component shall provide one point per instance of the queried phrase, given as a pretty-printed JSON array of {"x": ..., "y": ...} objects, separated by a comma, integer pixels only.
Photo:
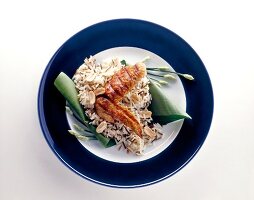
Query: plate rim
[{"x": 40, "y": 108}]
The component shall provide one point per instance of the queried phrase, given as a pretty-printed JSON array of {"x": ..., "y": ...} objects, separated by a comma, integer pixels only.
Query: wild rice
[{"x": 90, "y": 79}]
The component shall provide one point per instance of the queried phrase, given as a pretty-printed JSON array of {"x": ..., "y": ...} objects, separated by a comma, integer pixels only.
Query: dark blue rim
[{"x": 141, "y": 34}]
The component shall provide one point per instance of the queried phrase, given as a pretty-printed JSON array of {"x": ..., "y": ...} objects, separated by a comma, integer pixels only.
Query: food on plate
[
  {"x": 124, "y": 80},
  {"x": 111, "y": 112},
  {"x": 122, "y": 100},
  {"x": 116, "y": 102},
  {"x": 116, "y": 88}
]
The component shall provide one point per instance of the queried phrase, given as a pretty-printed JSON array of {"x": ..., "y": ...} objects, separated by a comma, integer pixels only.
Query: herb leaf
[
  {"x": 67, "y": 88},
  {"x": 81, "y": 137},
  {"x": 123, "y": 62},
  {"x": 106, "y": 142},
  {"x": 164, "y": 111}
]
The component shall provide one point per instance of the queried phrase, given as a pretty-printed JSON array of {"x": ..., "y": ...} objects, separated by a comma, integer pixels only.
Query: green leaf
[
  {"x": 123, "y": 62},
  {"x": 67, "y": 88},
  {"x": 164, "y": 111},
  {"x": 106, "y": 142},
  {"x": 81, "y": 137},
  {"x": 162, "y": 69},
  {"x": 82, "y": 131},
  {"x": 68, "y": 110}
]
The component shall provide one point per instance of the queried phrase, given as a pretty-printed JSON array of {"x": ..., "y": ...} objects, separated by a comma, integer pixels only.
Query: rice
[{"x": 90, "y": 79}]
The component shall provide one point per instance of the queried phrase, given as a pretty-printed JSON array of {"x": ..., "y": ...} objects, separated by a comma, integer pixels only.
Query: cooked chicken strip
[
  {"x": 111, "y": 93},
  {"x": 125, "y": 78},
  {"x": 110, "y": 110},
  {"x": 115, "y": 89},
  {"x": 103, "y": 113},
  {"x": 123, "y": 81}
]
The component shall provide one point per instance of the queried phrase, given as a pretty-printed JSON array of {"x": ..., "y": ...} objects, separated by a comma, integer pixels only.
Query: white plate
[{"x": 174, "y": 91}]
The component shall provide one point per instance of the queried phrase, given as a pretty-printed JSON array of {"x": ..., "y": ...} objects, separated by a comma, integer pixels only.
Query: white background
[{"x": 222, "y": 34}]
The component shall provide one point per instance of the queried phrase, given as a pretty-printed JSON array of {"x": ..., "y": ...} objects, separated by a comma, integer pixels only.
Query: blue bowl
[{"x": 134, "y": 33}]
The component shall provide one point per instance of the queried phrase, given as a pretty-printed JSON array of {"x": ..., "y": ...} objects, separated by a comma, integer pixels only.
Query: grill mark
[
  {"x": 125, "y": 78},
  {"x": 125, "y": 69},
  {"x": 111, "y": 93},
  {"x": 119, "y": 113},
  {"x": 117, "y": 85},
  {"x": 120, "y": 84},
  {"x": 136, "y": 70},
  {"x": 127, "y": 112},
  {"x": 125, "y": 87},
  {"x": 132, "y": 75}
]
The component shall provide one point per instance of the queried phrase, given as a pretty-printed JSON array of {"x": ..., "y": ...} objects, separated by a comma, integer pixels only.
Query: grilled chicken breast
[
  {"x": 116, "y": 88},
  {"x": 123, "y": 81},
  {"x": 111, "y": 111}
]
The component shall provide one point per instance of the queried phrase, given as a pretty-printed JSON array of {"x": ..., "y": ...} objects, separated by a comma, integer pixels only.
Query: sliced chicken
[
  {"x": 108, "y": 107},
  {"x": 123, "y": 81},
  {"x": 111, "y": 111}
]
